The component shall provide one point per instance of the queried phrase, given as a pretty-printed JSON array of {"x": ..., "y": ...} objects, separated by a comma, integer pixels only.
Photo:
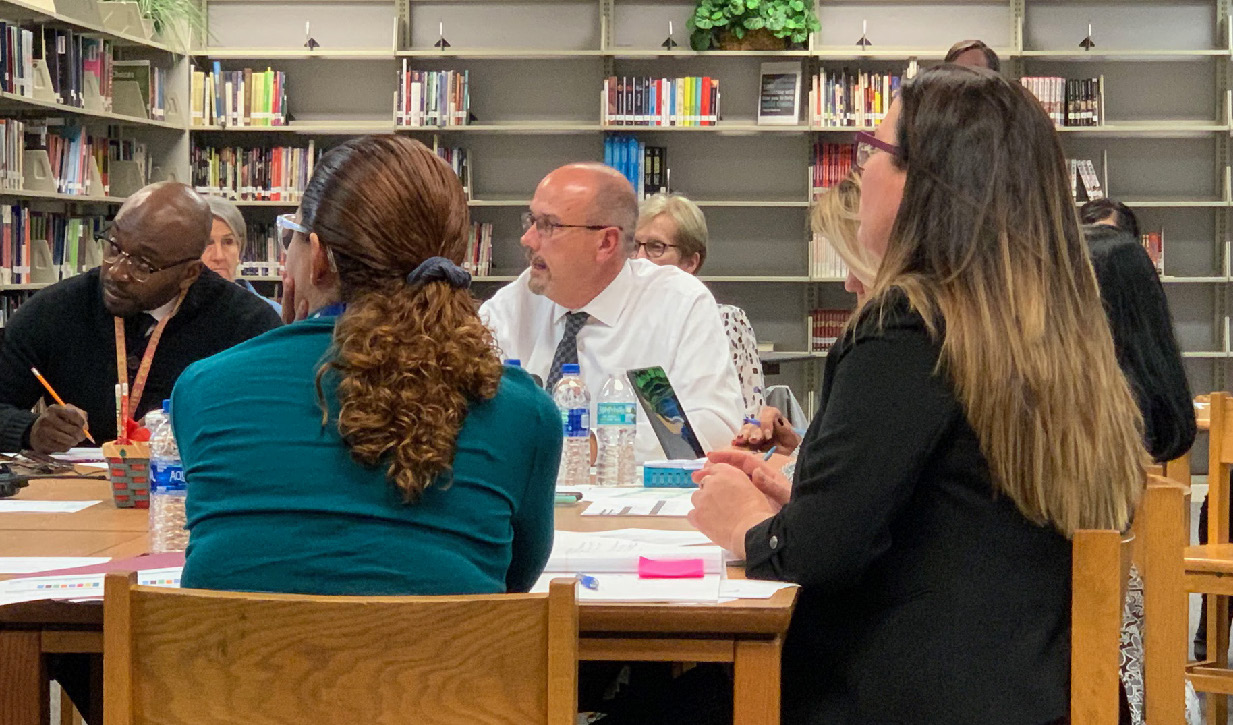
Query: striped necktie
[{"x": 567, "y": 348}]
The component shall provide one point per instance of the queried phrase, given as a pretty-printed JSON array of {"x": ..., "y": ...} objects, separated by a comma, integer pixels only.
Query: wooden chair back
[
  {"x": 1219, "y": 458},
  {"x": 195, "y": 657},
  {"x": 1162, "y": 532},
  {"x": 1100, "y": 569}
]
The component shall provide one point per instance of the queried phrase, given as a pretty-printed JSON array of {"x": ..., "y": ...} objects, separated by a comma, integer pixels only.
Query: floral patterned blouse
[{"x": 744, "y": 356}]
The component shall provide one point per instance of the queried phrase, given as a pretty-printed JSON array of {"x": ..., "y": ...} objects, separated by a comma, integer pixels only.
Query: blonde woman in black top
[{"x": 973, "y": 417}]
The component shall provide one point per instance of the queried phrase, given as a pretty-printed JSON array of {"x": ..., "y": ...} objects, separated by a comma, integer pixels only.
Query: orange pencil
[{"x": 55, "y": 396}]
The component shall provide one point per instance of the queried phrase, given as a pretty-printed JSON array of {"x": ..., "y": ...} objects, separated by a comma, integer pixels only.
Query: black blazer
[{"x": 925, "y": 597}]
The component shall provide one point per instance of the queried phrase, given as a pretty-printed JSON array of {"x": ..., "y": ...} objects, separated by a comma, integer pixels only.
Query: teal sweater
[{"x": 275, "y": 503}]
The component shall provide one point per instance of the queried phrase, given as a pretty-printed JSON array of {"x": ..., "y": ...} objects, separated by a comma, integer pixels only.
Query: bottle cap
[
  {"x": 571, "y": 369},
  {"x": 167, "y": 407},
  {"x": 514, "y": 362}
]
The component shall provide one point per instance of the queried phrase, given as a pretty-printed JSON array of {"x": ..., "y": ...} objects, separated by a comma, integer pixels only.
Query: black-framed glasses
[
  {"x": 139, "y": 268},
  {"x": 654, "y": 249},
  {"x": 867, "y": 145},
  {"x": 545, "y": 227}
]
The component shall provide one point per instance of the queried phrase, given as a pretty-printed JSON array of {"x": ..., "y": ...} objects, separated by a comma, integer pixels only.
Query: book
[
  {"x": 644, "y": 166},
  {"x": 478, "y": 260},
  {"x": 1084, "y": 183},
  {"x": 827, "y": 326},
  {"x": 689, "y": 101},
  {"x": 278, "y": 173},
  {"x": 1069, "y": 101},
  {"x": 832, "y": 162},
  {"x": 65, "y": 235},
  {"x": 845, "y": 98},
  {"x": 235, "y": 97},
  {"x": 459, "y": 160},
  {"x": 432, "y": 98},
  {"x": 826, "y": 264},
  {"x": 779, "y": 99},
  {"x": 149, "y": 79},
  {"x": 1153, "y": 242}
]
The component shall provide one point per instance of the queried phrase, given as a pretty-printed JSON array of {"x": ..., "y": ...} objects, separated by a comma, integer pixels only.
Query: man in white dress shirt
[{"x": 584, "y": 300}]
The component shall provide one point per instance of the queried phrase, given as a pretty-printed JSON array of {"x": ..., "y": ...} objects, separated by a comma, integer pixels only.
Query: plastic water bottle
[
  {"x": 574, "y": 402},
  {"x": 167, "y": 489},
  {"x": 616, "y": 424}
]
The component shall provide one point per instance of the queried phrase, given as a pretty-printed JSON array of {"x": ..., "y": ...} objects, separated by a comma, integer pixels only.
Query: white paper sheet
[
  {"x": 20, "y": 506},
  {"x": 638, "y": 501},
  {"x": 629, "y": 588},
  {"x": 750, "y": 589},
  {"x": 654, "y": 536},
  {"x": 81, "y": 455},
  {"x": 77, "y": 587},
  {"x": 35, "y": 564},
  {"x": 574, "y": 552}
]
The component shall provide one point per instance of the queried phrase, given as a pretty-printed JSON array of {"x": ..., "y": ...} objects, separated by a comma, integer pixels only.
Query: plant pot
[{"x": 760, "y": 39}]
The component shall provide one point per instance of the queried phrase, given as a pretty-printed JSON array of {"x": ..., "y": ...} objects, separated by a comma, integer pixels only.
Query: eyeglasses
[
  {"x": 654, "y": 250},
  {"x": 288, "y": 226},
  {"x": 139, "y": 268},
  {"x": 867, "y": 145},
  {"x": 545, "y": 228}
]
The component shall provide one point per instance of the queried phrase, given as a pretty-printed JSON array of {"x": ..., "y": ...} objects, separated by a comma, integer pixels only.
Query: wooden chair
[
  {"x": 1101, "y": 567},
  {"x": 195, "y": 657},
  {"x": 1162, "y": 532},
  {"x": 1209, "y": 568}
]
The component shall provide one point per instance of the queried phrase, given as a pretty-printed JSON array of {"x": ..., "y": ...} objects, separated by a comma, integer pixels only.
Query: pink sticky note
[{"x": 669, "y": 568}]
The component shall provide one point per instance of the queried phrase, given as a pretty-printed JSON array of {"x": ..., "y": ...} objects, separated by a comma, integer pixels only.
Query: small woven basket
[{"x": 128, "y": 469}]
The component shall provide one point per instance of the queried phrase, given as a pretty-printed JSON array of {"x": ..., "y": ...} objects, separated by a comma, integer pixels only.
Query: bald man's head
[
  {"x": 158, "y": 236},
  {"x": 588, "y": 213}
]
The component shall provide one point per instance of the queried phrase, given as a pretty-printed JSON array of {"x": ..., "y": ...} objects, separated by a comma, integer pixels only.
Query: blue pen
[
  {"x": 752, "y": 421},
  {"x": 770, "y": 453},
  {"x": 589, "y": 582}
]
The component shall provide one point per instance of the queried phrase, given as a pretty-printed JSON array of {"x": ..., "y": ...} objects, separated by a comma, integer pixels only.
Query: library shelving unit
[{"x": 537, "y": 69}]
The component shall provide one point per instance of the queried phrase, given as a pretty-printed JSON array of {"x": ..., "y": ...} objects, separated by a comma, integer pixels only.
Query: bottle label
[
  {"x": 165, "y": 477},
  {"x": 576, "y": 422},
  {"x": 616, "y": 414}
]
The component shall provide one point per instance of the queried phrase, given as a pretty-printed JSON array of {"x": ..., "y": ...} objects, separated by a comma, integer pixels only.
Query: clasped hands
[{"x": 738, "y": 490}]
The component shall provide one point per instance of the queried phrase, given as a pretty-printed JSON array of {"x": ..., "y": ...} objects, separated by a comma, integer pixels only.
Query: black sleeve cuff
[
  {"x": 15, "y": 428},
  {"x": 763, "y": 545}
]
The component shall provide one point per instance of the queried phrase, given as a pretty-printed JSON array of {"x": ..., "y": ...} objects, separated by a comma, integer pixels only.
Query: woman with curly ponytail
[{"x": 376, "y": 445}]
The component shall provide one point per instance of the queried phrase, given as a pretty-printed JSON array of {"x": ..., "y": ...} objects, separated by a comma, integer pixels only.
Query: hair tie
[{"x": 440, "y": 268}]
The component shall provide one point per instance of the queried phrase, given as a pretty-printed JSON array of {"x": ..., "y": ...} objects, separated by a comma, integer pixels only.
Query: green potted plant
[
  {"x": 174, "y": 20},
  {"x": 751, "y": 24}
]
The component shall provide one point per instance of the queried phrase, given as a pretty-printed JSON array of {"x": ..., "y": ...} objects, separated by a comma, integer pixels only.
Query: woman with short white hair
[{"x": 672, "y": 231}]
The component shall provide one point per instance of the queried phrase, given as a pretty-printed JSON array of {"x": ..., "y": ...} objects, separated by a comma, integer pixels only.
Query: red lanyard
[{"x": 139, "y": 383}]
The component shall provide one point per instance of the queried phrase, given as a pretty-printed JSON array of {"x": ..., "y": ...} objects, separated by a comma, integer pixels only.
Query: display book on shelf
[{"x": 1069, "y": 101}]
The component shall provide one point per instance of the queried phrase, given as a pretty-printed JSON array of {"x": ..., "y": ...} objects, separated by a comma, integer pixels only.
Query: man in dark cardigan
[{"x": 151, "y": 252}]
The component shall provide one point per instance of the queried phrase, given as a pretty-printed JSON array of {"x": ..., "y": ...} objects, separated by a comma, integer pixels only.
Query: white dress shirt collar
[
  {"x": 607, "y": 306},
  {"x": 159, "y": 313}
]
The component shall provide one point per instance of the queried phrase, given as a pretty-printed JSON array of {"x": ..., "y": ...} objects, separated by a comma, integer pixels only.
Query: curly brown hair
[{"x": 408, "y": 359}]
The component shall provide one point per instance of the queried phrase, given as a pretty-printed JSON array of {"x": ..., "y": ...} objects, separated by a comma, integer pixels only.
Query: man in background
[
  {"x": 151, "y": 262},
  {"x": 584, "y": 300}
]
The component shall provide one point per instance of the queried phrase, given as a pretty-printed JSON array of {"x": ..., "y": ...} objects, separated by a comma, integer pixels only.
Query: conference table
[{"x": 746, "y": 632}]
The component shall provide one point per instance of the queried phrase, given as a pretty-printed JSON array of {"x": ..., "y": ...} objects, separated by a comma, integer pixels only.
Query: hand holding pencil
[{"x": 60, "y": 427}]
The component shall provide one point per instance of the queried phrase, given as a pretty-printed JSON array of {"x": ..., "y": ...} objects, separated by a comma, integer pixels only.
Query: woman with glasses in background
[
  {"x": 672, "y": 231},
  {"x": 376, "y": 445}
]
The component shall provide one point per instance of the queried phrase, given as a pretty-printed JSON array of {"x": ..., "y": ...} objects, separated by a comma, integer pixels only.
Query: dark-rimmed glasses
[
  {"x": 139, "y": 268},
  {"x": 654, "y": 250},
  {"x": 867, "y": 145},
  {"x": 545, "y": 227}
]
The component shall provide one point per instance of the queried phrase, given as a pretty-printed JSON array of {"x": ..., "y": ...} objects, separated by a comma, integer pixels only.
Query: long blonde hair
[
  {"x": 836, "y": 217},
  {"x": 986, "y": 246}
]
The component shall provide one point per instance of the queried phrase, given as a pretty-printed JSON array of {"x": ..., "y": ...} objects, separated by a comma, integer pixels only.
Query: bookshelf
[
  {"x": 536, "y": 68},
  {"x": 1165, "y": 152}
]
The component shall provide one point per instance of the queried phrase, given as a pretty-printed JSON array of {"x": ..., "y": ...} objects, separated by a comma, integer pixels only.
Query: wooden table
[{"x": 748, "y": 633}]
